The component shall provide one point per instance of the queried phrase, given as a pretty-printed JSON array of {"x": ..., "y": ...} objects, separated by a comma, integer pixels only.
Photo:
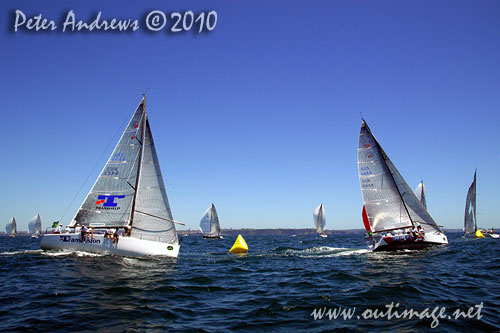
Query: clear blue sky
[{"x": 262, "y": 115}]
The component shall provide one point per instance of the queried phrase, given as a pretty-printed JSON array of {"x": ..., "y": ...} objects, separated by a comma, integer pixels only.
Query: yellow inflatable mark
[
  {"x": 240, "y": 246},
  {"x": 479, "y": 234}
]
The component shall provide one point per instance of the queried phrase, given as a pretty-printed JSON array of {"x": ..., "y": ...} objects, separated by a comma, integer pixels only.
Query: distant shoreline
[{"x": 269, "y": 231}]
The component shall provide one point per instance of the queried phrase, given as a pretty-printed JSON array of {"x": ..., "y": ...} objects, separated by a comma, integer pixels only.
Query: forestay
[{"x": 109, "y": 202}]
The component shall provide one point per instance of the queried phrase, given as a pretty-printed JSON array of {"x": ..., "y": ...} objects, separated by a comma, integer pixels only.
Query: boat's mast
[
  {"x": 143, "y": 134},
  {"x": 384, "y": 155}
]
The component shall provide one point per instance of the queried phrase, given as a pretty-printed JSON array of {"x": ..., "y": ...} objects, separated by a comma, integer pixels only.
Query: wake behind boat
[
  {"x": 393, "y": 213},
  {"x": 130, "y": 194},
  {"x": 209, "y": 224},
  {"x": 320, "y": 220}
]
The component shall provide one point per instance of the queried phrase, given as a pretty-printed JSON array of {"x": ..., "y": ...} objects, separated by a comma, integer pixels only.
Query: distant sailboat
[
  {"x": 209, "y": 224},
  {"x": 470, "y": 222},
  {"x": 129, "y": 193},
  {"x": 391, "y": 207},
  {"x": 320, "y": 220},
  {"x": 35, "y": 226},
  {"x": 11, "y": 228},
  {"x": 420, "y": 193}
]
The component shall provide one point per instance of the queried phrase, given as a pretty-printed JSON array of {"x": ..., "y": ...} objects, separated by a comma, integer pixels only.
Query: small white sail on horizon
[
  {"x": 11, "y": 228},
  {"x": 319, "y": 220},
  {"x": 391, "y": 206},
  {"x": 209, "y": 223},
  {"x": 420, "y": 193},
  {"x": 470, "y": 223},
  {"x": 35, "y": 226}
]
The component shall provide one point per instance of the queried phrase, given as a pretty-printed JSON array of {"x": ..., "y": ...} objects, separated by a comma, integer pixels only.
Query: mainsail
[
  {"x": 470, "y": 223},
  {"x": 319, "y": 219},
  {"x": 420, "y": 193},
  {"x": 35, "y": 225},
  {"x": 11, "y": 227},
  {"x": 209, "y": 224},
  {"x": 130, "y": 189},
  {"x": 389, "y": 201}
]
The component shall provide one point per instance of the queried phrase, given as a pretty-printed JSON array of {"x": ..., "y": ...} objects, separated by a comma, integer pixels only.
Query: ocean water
[{"x": 276, "y": 286}]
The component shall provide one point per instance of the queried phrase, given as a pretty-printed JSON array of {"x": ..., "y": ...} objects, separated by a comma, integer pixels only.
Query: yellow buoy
[
  {"x": 479, "y": 234},
  {"x": 240, "y": 246}
]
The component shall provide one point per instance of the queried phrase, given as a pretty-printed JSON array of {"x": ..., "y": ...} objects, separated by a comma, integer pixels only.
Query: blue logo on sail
[{"x": 108, "y": 201}]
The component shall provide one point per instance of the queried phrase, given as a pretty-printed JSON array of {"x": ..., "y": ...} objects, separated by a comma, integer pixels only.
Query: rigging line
[
  {"x": 158, "y": 217},
  {"x": 171, "y": 190},
  {"x": 113, "y": 139}
]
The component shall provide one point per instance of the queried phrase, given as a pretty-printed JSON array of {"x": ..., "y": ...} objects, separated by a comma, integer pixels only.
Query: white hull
[
  {"x": 126, "y": 246},
  {"x": 401, "y": 242},
  {"x": 494, "y": 235}
]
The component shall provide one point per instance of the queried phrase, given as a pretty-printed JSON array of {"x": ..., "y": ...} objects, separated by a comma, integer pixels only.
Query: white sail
[
  {"x": 319, "y": 219},
  {"x": 35, "y": 226},
  {"x": 420, "y": 193},
  {"x": 389, "y": 201},
  {"x": 209, "y": 224},
  {"x": 470, "y": 223},
  {"x": 11, "y": 227},
  {"x": 152, "y": 216},
  {"x": 109, "y": 202}
]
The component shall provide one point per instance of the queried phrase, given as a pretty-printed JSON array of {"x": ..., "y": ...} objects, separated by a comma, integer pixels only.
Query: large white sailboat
[
  {"x": 130, "y": 194},
  {"x": 35, "y": 226},
  {"x": 393, "y": 211},
  {"x": 209, "y": 224},
  {"x": 320, "y": 220},
  {"x": 11, "y": 228}
]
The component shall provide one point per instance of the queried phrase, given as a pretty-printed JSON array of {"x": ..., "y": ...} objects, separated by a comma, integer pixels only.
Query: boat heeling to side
[
  {"x": 126, "y": 246},
  {"x": 406, "y": 241}
]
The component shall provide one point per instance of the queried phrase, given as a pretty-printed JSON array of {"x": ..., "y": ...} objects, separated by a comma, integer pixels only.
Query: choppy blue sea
[{"x": 276, "y": 286}]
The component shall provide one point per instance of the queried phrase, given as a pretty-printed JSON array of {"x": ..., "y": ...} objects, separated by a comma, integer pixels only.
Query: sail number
[
  {"x": 118, "y": 157},
  {"x": 156, "y": 20}
]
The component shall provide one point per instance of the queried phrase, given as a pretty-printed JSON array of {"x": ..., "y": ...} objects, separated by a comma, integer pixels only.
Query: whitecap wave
[
  {"x": 21, "y": 252},
  {"x": 72, "y": 253},
  {"x": 325, "y": 252}
]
